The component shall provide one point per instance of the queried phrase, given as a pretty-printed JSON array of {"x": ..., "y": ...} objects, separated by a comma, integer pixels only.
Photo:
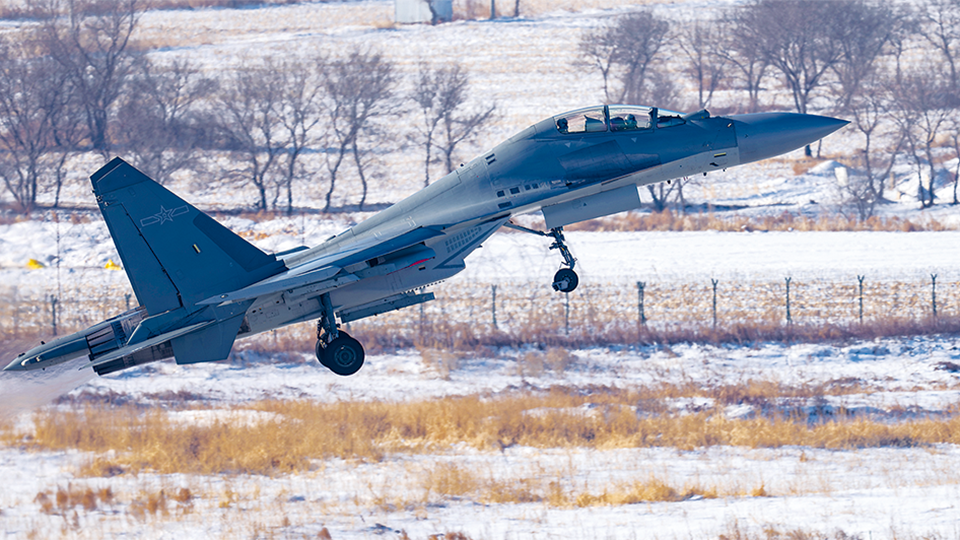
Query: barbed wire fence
[{"x": 529, "y": 308}]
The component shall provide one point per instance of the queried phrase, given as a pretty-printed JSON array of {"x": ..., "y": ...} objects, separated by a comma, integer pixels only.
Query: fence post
[
  {"x": 493, "y": 304},
  {"x": 789, "y": 320},
  {"x": 127, "y": 298},
  {"x": 16, "y": 312},
  {"x": 860, "y": 280},
  {"x": 933, "y": 293},
  {"x": 53, "y": 314},
  {"x": 714, "y": 282},
  {"x": 566, "y": 313},
  {"x": 641, "y": 318}
]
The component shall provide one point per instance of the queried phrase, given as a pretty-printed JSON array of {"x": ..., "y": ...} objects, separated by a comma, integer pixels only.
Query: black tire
[
  {"x": 565, "y": 280},
  {"x": 343, "y": 356},
  {"x": 320, "y": 348}
]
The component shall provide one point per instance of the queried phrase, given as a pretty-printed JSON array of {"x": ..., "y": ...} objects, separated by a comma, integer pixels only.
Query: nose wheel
[{"x": 565, "y": 280}]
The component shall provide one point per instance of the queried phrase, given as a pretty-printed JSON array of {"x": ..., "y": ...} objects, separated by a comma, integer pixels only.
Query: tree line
[
  {"x": 76, "y": 83},
  {"x": 890, "y": 68}
]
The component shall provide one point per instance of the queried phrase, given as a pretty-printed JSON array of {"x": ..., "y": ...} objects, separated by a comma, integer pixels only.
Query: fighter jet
[{"x": 200, "y": 286}]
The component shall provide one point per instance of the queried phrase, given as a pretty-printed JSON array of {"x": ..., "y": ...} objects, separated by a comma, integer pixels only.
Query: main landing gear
[
  {"x": 565, "y": 280},
  {"x": 336, "y": 350}
]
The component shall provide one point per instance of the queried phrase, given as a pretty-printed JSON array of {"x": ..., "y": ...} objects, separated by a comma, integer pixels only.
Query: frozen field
[
  {"x": 901, "y": 490},
  {"x": 886, "y": 492}
]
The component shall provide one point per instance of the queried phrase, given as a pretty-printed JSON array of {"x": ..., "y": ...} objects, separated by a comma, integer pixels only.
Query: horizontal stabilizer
[
  {"x": 207, "y": 344},
  {"x": 130, "y": 349}
]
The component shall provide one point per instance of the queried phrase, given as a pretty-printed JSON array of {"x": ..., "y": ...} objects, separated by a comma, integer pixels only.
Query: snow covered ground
[
  {"x": 528, "y": 67},
  {"x": 871, "y": 493}
]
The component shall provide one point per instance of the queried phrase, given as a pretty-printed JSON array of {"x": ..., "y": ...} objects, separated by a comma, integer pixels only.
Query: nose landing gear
[{"x": 565, "y": 280}]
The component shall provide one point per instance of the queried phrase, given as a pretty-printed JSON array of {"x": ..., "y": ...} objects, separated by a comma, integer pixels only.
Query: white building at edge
[{"x": 418, "y": 11}]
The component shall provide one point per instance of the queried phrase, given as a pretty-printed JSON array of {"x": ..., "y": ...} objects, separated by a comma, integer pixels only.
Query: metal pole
[
  {"x": 566, "y": 314},
  {"x": 641, "y": 317},
  {"x": 860, "y": 279},
  {"x": 933, "y": 293},
  {"x": 789, "y": 320},
  {"x": 714, "y": 281},
  {"x": 53, "y": 313},
  {"x": 493, "y": 304}
]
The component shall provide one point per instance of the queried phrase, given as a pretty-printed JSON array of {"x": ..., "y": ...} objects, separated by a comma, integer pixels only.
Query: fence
[{"x": 523, "y": 308}]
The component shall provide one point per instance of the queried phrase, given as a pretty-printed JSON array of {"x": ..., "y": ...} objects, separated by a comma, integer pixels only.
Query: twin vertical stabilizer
[{"x": 174, "y": 254}]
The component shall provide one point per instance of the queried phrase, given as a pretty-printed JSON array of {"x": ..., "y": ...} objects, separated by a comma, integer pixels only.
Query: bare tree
[
  {"x": 156, "y": 121},
  {"x": 623, "y": 52},
  {"x": 249, "y": 117},
  {"x": 698, "y": 41},
  {"x": 739, "y": 45},
  {"x": 31, "y": 90},
  {"x": 301, "y": 95},
  {"x": 90, "y": 39},
  {"x": 941, "y": 27},
  {"x": 955, "y": 143},
  {"x": 662, "y": 193},
  {"x": 862, "y": 30},
  {"x": 68, "y": 133},
  {"x": 441, "y": 95},
  {"x": 358, "y": 89},
  {"x": 871, "y": 117},
  {"x": 460, "y": 128},
  {"x": 922, "y": 101},
  {"x": 797, "y": 38}
]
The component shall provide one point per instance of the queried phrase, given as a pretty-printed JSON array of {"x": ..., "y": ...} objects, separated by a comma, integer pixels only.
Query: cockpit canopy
[{"x": 616, "y": 118}]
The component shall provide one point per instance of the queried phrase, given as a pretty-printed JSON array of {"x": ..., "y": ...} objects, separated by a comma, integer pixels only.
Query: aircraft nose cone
[
  {"x": 764, "y": 135},
  {"x": 15, "y": 366}
]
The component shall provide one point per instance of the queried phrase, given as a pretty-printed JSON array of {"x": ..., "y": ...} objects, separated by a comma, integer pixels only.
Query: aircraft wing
[{"x": 326, "y": 272}]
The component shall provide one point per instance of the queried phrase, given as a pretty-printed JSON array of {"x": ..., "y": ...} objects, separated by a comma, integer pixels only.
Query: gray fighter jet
[{"x": 200, "y": 286}]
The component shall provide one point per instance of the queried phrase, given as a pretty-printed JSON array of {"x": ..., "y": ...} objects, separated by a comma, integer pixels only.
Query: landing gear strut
[
  {"x": 565, "y": 280},
  {"x": 336, "y": 350}
]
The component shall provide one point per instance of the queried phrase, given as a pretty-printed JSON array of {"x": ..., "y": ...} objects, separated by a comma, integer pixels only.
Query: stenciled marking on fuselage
[{"x": 163, "y": 216}]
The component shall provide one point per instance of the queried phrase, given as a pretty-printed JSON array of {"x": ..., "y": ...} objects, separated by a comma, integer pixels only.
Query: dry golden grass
[
  {"x": 652, "y": 489},
  {"x": 304, "y": 431},
  {"x": 448, "y": 481},
  {"x": 67, "y": 499}
]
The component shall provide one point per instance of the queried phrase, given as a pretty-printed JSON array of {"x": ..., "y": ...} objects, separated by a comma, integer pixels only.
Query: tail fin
[{"x": 174, "y": 254}]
